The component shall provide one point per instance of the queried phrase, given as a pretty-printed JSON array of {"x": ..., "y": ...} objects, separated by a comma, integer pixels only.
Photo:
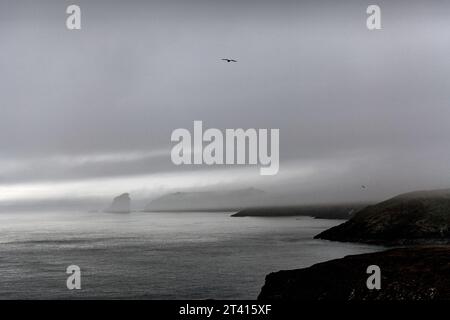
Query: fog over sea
[{"x": 155, "y": 255}]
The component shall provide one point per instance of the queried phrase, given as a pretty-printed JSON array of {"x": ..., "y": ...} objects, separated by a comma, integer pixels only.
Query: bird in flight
[
  {"x": 229, "y": 60},
  {"x": 363, "y": 186}
]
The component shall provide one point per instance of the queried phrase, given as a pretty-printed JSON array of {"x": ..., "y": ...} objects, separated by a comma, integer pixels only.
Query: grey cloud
[{"x": 139, "y": 69}]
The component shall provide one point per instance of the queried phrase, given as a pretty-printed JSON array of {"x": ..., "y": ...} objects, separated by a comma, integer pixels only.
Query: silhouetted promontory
[
  {"x": 420, "y": 273},
  {"x": 331, "y": 211},
  {"x": 421, "y": 217}
]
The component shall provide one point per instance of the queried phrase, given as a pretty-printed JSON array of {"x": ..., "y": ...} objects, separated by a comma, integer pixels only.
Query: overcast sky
[{"x": 90, "y": 112}]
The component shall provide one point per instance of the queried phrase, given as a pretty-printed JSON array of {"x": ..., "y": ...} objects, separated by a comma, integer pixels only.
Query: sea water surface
[{"x": 155, "y": 255}]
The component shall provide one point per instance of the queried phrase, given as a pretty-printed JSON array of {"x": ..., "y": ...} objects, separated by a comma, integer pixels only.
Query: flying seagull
[
  {"x": 363, "y": 186},
  {"x": 229, "y": 60}
]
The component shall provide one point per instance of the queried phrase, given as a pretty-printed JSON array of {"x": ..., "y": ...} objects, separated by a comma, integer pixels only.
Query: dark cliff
[
  {"x": 416, "y": 217},
  {"x": 421, "y": 273}
]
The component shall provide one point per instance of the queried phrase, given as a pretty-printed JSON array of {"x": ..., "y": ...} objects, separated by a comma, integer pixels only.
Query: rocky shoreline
[
  {"x": 421, "y": 217},
  {"x": 420, "y": 271}
]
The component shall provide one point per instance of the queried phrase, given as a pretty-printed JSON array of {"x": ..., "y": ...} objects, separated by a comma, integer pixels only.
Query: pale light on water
[{"x": 155, "y": 255}]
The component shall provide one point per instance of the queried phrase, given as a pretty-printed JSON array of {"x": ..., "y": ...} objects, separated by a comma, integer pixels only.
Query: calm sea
[{"x": 155, "y": 255}]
